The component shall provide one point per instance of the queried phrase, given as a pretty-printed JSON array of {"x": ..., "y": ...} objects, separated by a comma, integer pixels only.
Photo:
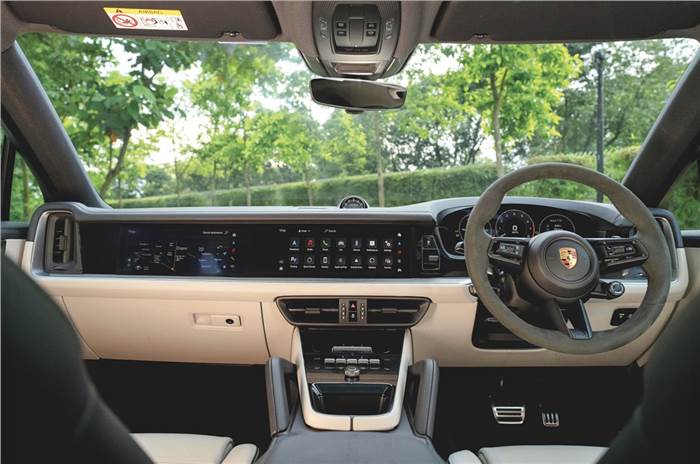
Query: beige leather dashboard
[{"x": 179, "y": 318}]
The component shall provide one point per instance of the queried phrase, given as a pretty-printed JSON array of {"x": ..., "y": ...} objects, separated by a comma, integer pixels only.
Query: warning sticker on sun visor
[{"x": 142, "y": 18}]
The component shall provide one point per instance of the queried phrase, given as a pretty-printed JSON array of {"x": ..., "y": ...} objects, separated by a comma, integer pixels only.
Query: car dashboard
[
  {"x": 413, "y": 242},
  {"x": 236, "y": 285}
]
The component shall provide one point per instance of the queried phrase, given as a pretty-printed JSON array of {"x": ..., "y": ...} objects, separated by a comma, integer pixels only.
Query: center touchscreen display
[
  {"x": 341, "y": 250},
  {"x": 255, "y": 250}
]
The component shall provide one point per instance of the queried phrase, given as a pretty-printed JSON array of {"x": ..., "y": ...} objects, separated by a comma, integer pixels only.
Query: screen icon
[{"x": 325, "y": 260}]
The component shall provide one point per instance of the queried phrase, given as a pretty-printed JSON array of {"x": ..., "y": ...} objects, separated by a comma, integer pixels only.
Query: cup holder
[{"x": 352, "y": 399}]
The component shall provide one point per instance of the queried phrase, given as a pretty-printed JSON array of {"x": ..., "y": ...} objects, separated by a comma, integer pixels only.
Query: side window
[
  {"x": 24, "y": 194},
  {"x": 683, "y": 200}
]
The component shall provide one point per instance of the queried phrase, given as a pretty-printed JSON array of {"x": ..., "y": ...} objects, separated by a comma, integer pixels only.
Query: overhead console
[{"x": 356, "y": 39}]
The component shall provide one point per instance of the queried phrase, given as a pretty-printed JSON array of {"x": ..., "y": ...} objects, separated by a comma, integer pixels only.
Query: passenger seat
[
  {"x": 176, "y": 448},
  {"x": 51, "y": 411}
]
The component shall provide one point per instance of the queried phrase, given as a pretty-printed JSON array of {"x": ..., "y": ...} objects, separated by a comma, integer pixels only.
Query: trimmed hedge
[
  {"x": 616, "y": 164},
  {"x": 400, "y": 188},
  {"x": 403, "y": 188}
]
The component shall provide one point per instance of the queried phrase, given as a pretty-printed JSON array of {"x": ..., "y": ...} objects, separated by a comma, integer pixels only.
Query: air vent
[
  {"x": 353, "y": 311},
  {"x": 388, "y": 311},
  {"x": 310, "y": 310},
  {"x": 61, "y": 244}
]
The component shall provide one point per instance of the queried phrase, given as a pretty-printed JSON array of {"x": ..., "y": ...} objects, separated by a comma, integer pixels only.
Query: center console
[
  {"x": 357, "y": 383},
  {"x": 351, "y": 373},
  {"x": 352, "y": 358}
]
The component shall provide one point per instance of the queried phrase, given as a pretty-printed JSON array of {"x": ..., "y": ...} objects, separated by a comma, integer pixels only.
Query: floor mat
[
  {"x": 186, "y": 398},
  {"x": 593, "y": 405}
]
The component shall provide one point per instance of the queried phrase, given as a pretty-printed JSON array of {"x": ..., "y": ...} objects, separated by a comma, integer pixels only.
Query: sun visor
[
  {"x": 195, "y": 20},
  {"x": 564, "y": 21}
]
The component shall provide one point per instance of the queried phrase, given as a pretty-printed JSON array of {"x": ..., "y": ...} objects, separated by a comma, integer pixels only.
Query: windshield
[{"x": 167, "y": 123}]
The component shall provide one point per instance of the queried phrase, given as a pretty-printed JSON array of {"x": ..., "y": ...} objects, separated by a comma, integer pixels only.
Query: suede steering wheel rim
[{"x": 480, "y": 250}]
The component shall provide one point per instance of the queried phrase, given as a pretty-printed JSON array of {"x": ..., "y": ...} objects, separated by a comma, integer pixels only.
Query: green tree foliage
[
  {"x": 638, "y": 77},
  {"x": 344, "y": 146},
  {"x": 684, "y": 197},
  {"x": 297, "y": 145},
  {"x": 515, "y": 88},
  {"x": 26, "y": 195},
  {"x": 262, "y": 137},
  {"x": 101, "y": 106}
]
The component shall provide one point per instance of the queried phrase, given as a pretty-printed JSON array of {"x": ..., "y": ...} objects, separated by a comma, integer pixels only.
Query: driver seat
[
  {"x": 661, "y": 428},
  {"x": 549, "y": 454},
  {"x": 51, "y": 411}
]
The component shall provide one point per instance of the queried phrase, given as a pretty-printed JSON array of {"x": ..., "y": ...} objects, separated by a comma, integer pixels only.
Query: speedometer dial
[
  {"x": 515, "y": 223},
  {"x": 556, "y": 222}
]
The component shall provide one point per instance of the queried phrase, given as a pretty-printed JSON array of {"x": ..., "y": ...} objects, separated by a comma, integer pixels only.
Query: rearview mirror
[{"x": 357, "y": 95}]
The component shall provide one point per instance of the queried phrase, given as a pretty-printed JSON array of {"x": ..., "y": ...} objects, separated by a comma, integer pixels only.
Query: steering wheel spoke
[
  {"x": 619, "y": 253},
  {"x": 571, "y": 319},
  {"x": 508, "y": 253}
]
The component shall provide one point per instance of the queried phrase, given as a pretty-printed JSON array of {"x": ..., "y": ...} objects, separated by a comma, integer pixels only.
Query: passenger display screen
[
  {"x": 185, "y": 250},
  {"x": 255, "y": 250}
]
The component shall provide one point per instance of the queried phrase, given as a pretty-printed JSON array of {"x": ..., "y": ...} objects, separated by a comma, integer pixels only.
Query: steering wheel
[{"x": 557, "y": 270}]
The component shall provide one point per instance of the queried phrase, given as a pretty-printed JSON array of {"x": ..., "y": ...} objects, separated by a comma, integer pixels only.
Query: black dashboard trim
[
  {"x": 427, "y": 215},
  {"x": 261, "y": 215},
  {"x": 691, "y": 238}
]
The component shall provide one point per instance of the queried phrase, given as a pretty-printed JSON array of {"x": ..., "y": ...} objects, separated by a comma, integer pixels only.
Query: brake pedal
[
  {"x": 550, "y": 419},
  {"x": 509, "y": 415}
]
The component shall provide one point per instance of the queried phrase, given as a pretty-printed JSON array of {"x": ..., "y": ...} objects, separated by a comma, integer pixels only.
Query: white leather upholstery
[
  {"x": 242, "y": 454},
  {"x": 545, "y": 454},
  {"x": 463, "y": 457},
  {"x": 176, "y": 448}
]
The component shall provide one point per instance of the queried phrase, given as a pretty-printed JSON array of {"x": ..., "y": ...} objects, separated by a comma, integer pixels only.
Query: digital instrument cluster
[{"x": 512, "y": 221}]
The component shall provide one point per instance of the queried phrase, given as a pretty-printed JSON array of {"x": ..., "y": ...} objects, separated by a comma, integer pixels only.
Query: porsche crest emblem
[{"x": 568, "y": 257}]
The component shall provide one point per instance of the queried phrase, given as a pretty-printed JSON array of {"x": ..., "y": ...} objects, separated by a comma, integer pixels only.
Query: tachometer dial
[
  {"x": 463, "y": 227},
  {"x": 515, "y": 223},
  {"x": 556, "y": 222}
]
